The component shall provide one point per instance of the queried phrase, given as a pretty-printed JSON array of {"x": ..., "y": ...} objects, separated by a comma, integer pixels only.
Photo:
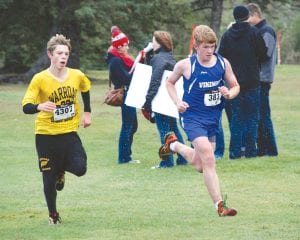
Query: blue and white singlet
[{"x": 201, "y": 93}]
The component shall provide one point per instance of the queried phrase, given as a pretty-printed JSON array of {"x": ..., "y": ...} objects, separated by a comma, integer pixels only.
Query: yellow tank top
[{"x": 45, "y": 87}]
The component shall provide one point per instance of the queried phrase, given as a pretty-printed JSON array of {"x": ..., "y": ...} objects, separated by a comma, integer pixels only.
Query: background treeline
[{"x": 27, "y": 25}]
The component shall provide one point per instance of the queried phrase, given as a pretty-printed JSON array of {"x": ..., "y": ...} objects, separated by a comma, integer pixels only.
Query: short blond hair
[
  {"x": 204, "y": 34},
  {"x": 164, "y": 39},
  {"x": 58, "y": 39},
  {"x": 254, "y": 8}
]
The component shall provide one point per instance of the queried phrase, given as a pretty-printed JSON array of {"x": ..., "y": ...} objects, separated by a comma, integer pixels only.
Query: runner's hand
[
  {"x": 86, "y": 120},
  {"x": 181, "y": 106},
  {"x": 46, "y": 106}
]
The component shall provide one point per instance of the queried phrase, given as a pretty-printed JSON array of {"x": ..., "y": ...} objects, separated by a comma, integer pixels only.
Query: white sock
[
  {"x": 172, "y": 146},
  {"x": 217, "y": 203}
]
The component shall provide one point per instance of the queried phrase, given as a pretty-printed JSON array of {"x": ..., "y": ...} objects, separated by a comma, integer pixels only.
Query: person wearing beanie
[
  {"x": 162, "y": 60},
  {"x": 266, "y": 140},
  {"x": 244, "y": 47},
  {"x": 118, "y": 38},
  {"x": 240, "y": 13},
  {"x": 119, "y": 64}
]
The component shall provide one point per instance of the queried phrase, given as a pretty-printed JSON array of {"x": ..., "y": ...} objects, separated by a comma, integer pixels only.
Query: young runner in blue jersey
[{"x": 200, "y": 109}]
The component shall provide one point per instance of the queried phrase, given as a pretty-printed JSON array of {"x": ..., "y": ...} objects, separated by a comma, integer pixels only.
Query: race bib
[
  {"x": 64, "y": 112},
  {"x": 212, "y": 98}
]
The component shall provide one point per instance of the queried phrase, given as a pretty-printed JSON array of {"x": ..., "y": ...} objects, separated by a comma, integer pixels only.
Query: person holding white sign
[
  {"x": 119, "y": 64},
  {"x": 162, "y": 60},
  {"x": 200, "y": 109},
  {"x": 52, "y": 94}
]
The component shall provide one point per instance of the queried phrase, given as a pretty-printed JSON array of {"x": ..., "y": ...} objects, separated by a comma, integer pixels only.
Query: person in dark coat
[
  {"x": 162, "y": 60},
  {"x": 244, "y": 47}
]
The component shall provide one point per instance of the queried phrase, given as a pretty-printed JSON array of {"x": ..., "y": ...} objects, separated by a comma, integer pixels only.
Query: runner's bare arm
[{"x": 178, "y": 71}]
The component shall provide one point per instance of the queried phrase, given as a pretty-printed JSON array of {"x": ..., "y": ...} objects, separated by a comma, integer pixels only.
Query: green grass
[{"x": 135, "y": 202}]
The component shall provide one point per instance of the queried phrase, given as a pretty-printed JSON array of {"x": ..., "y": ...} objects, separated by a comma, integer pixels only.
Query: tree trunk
[
  {"x": 216, "y": 8},
  {"x": 67, "y": 26},
  {"x": 216, "y": 15},
  {"x": 72, "y": 31},
  {"x": 40, "y": 64}
]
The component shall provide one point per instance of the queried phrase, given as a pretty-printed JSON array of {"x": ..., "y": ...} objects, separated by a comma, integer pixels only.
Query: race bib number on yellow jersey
[
  {"x": 64, "y": 112},
  {"x": 212, "y": 98}
]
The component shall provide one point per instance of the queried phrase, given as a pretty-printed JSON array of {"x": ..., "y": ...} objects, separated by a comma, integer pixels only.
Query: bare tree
[
  {"x": 216, "y": 7},
  {"x": 216, "y": 15},
  {"x": 63, "y": 24}
]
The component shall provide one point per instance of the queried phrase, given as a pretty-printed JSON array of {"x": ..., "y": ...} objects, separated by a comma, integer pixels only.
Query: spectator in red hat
[{"x": 119, "y": 64}]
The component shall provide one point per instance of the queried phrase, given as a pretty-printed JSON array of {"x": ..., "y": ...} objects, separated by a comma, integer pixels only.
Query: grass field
[{"x": 135, "y": 202}]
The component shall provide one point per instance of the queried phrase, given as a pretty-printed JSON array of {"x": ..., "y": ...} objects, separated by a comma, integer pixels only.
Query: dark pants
[
  {"x": 266, "y": 142},
  {"x": 129, "y": 127},
  {"x": 220, "y": 143},
  {"x": 164, "y": 125},
  {"x": 59, "y": 153},
  {"x": 244, "y": 123}
]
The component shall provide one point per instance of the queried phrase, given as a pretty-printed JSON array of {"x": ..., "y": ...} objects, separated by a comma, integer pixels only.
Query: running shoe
[
  {"x": 165, "y": 151},
  {"x": 54, "y": 218},
  {"x": 224, "y": 211}
]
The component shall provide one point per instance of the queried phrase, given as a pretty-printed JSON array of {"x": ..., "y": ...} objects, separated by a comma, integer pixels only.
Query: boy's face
[
  {"x": 205, "y": 51},
  {"x": 59, "y": 57},
  {"x": 253, "y": 19}
]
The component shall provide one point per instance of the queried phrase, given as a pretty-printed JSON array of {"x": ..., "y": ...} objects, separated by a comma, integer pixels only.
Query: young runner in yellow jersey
[{"x": 52, "y": 94}]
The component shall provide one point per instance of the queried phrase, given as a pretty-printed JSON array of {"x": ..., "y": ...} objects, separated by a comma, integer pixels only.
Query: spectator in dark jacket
[
  {"x": 245, "y": 49},
  {"x": 162, "y": 60},
  {"x": 119, "y": 64},
  {"x": 266, "y": 141}
]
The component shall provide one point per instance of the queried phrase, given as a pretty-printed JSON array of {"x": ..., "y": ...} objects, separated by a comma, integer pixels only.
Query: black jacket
[
  {"x": 161, "y": 61},
  {"x": 245, "y": 49},
  {"x": 118, "y": 71}
]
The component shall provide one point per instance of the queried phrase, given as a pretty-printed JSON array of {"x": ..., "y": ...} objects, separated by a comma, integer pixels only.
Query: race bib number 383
[
  {"x": 212, "y": 98},
  {"x": 64, "y": 112}
]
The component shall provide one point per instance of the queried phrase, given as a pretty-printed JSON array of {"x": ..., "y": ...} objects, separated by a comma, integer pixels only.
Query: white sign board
[{"x": 162, "y": 103}]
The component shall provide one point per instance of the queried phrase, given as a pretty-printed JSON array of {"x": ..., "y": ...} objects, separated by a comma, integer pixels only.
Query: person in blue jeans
[
  {"x": 266, "y": 141},
  {"x": 162, "y": 60},
  {"x": 164, "y": 125},
  {"x": 244, "y": 47},
  {"x": 220, "y": 142},
  {"x": 244, "y": 123},
  {"x": 119, "y": 64},
  {"x": 129, "y": 127}
]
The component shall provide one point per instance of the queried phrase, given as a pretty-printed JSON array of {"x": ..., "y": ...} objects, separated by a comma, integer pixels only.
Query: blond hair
[
  {"x": 204, "y": 34},
  {"x": 164, "y": 39},
  {"x": 58, "y": 39},
  {"x": 254, "y": 8}
]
